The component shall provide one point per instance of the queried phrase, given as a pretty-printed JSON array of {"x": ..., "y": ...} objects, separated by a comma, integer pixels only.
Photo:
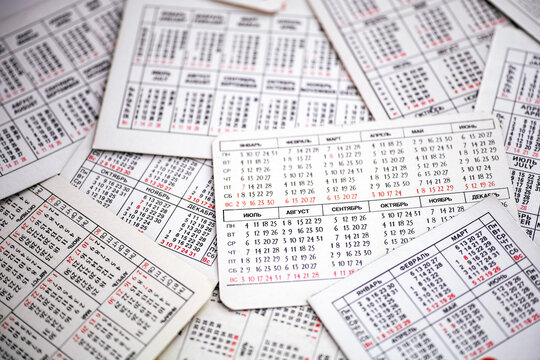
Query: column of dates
[
  {"x": 140, "y": 56},
  {"x": 345, "y": 15},
  {"x": 103, "y": 26},
  {"x": 319, "y": 80},
  {"x": 244, "y": 42},
  {"x": 161, "y": 53},
  {"x": 416, "y": 86},
  {"x": 278, "y": 97},
  {"x": 203, "y": 46},
  {"x": 459, "y": 71},
  {"x": 285, "y": 57},
  {"x": 344, "y": 173},
  {"x": 16, "y": 151},
  {"x": 208, "y": 38}
]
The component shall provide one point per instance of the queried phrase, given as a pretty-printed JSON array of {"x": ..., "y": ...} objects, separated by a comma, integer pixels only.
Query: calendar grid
[
  {"x": 139, "y": 264},
  {"x": 411, "y": 75},
  {"x": 301, "y": 77},
  {"x": 181, "y": 197},
  {"x": 52, "y": 35},
  {"x": 135, "y": 187},
  {"x": 263, "y": 74},
  {"x": 45, "y": 105},
  {"x": 423, "y": 316},
  {"x": 181, "y": 71},
  {"x": 343, "y": 29},
  {"x": 219, "y": 71},
  {"x": 467, "y": 37},
  {"x": 440, "y": 251},
  {"x": 359, "y": 320},
  {"x": 137, "y": 180},
  {"x": 32, "y": 88},
  {"x": 424, "y": 57},
  {"x": 204, "y": 101}
]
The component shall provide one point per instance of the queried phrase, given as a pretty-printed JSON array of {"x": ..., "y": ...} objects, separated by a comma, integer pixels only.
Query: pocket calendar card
[
  {"x": 76, "y": 282},
  {"x": 469, "y": 289},
  {"x": 298, "y": 209},
  {"x": 185, "y": 71}
]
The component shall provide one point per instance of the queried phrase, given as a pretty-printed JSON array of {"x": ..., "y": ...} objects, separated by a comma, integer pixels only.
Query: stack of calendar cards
[{"x": 270, "y": 180}]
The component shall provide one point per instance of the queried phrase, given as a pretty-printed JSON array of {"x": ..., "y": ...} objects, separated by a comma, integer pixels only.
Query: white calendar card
[
  {"x": 76, "y": 282},
  {"x": 268, "y": 6},
  {"x": 297, "y": 210},
  {"x": 526, "y": 13},
  {"x": 411, "y": 58},
  {"x": 170, "y": 200},
  {"x": 54, "y": 61},
  {"x": 469, "y": 289},
  {"x": 217, "y": 333},
  {"x": 185, "y": 71},
  {"x": 512, "y": 94}
]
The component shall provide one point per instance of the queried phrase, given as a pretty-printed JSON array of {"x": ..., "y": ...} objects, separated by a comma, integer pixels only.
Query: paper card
[
  {"x": 296, "y": 210},
  {"x": 411, "y": 58},
  {"x": 185, "y": 72},
  {"x": 54, "y": 61},
  {"x": 469, "y": 289},
  {"x": 80, "y": 283},
  {"x": 511, "y": 92},
  {"x": 170, "y": 200}
]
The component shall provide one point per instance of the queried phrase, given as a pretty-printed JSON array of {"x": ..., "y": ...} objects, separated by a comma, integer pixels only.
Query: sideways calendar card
[
  {"x": 512, "y": 94},
  {"x": 76, "y": 282},
  {"x": 217, "y": 333},
  {"x": 296, "y": 210},
  {"x": 526, "y": 13},
  {"x": 186, "y": 71},
  {"x": 54, "y": 61},
  {"x": 411, "y": 58},
  {"x": 469, "y": 289},
  {"x": 170, "y": 200}
]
